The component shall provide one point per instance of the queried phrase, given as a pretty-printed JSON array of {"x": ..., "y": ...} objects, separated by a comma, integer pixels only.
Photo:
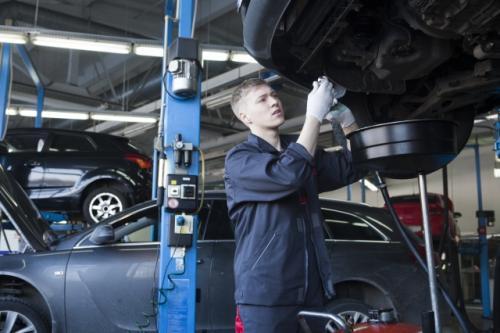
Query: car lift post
[
  {"x": 36, "y": 80},
  {"x": 179, "y": 135},
  {"x": 4, "y": 87},
  {"x": 483, "y": 241}
]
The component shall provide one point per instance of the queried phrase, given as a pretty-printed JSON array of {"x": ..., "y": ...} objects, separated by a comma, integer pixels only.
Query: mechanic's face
[{"x": 262, "y": 109}]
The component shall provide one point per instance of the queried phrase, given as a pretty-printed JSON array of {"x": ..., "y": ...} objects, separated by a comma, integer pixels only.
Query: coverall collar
[{"x": 266, "y": 146}]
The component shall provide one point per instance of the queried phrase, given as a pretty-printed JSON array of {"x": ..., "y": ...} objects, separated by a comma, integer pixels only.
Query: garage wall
[{"x": 462, "y": 188}]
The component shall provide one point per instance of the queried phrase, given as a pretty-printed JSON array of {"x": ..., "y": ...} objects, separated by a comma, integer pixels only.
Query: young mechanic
[{"x": 272, "y": 182}]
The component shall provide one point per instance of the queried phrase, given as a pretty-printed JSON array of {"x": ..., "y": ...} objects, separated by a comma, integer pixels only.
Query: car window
[
  {"x": 346, "y": 226},
  {"x": 140, "y": 231},
  {"x": 70, "y": 143},
  {"x": 24, "y": 143},
  {"x": 215, "y": 223}
]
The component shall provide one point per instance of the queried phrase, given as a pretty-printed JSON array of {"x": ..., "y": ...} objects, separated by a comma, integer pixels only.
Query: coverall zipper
[{"x": 264, "y": 250}]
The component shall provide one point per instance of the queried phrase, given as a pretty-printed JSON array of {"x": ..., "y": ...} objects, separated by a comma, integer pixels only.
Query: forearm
[{"x": 308, "y": 137}]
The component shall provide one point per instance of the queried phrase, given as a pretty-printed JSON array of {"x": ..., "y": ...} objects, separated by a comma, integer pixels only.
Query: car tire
[
  {"x": 103, "y": 202},
  {"x": 21, "y": 315},
  {"x": 353, "y": 311}
]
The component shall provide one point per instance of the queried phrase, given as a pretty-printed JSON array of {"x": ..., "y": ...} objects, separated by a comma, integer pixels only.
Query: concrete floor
[{"x": 476, "y": 316}]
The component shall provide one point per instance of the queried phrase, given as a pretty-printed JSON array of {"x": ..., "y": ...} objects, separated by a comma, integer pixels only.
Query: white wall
[{"x": 462, "y": 188}]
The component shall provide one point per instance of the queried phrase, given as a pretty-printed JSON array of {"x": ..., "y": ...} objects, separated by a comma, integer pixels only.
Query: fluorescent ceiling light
[
  {"x": 148, "y": 50},
  {"x": 11, "y": 112},
  {"x": 27, "y": 113},
  {"x": 493, "y": 116},
  {"x": 65, "y": 115},
  {"x": 76, "y": 115},
  {"x": 241, "y": 56},
  {"x": 369, "y": 185},
  {"x": 215, "y": 55},
  {"x": 82, "y": 44},
  {"x": 123, "y": 118},
  {"x": 13, "y": 37},
  {"x": 118, "y": 116}
]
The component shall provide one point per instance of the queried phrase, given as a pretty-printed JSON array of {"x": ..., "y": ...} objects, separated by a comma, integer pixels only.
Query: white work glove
[
  {"x": 341, "y": 114},
  {"x": 320, "y": 99}
]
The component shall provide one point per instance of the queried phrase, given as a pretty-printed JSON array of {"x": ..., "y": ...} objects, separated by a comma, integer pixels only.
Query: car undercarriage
[{"x": 398, "y": 59}]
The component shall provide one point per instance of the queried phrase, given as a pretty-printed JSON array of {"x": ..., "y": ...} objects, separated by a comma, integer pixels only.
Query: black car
[
  {"x": 89, "y": 283},
  {"x": 399, "y": 60},
  {"x": 82, "y": 173}
]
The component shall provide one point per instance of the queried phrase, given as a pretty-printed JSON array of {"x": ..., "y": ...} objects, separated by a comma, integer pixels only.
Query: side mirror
[
  {"x": 102, "y": 234},
  {"x": 456, "y": 215}
]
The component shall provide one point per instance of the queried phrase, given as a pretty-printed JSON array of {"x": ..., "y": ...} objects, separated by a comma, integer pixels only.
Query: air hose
[{"x": 463, "y": 321}]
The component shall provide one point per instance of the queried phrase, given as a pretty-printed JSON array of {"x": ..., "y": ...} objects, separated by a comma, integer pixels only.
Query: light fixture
[
  {"x": 27, "y": 113},
  {"x": 74, "y": 115},
  {"x": 133, "y": 118},
  {"x": 65, "y": 115},
  {"x": 148, "y": 50},
  {"x": 493, "y": 116},
  {"x": 12, "y": 37},
  {"x": 75, "y": 43},
  {"x": 215, "y": 55},
  {"x": 241, "y": 56},
  {"x": 369, "y": 185},
  {"x": 85, "y": 114},
  {"x": 11, "y": 112}
]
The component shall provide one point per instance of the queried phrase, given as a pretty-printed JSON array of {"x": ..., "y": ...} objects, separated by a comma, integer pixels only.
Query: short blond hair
[{"x": 242, "y": 90}]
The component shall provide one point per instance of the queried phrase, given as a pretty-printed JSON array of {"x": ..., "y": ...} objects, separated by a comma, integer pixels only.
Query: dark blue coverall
[{"x": 281, "y": 263}]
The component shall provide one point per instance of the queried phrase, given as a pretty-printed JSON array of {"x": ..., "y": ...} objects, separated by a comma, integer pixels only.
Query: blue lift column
[
  {"x": 36, "y": 80},
  {"x": 483, "y": 241},
  {"x": 4, "y": 86},
  {"x": 179, "y": 133}
]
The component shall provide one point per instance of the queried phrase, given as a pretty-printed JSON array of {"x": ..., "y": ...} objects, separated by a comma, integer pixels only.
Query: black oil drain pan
[{"x": 404, "y": 149}]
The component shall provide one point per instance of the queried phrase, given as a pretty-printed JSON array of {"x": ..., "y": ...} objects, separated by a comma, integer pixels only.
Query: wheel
[
  {"x": 351, "y": 310},
  {"x": 18, "y": 315},
  {"x": 103, "y": 202}
]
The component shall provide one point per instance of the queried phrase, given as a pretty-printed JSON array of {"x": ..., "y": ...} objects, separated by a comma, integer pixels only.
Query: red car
[{"x": 409, "y": 211}]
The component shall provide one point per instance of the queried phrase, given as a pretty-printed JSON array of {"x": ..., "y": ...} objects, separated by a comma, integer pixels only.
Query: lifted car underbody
[{"x": 398, "y": 59}]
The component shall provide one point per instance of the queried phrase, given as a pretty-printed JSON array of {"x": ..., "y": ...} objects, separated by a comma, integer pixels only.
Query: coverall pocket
[{"x": 265, "y": 249}]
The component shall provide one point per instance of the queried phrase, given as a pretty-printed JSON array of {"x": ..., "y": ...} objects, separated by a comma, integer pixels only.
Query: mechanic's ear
[{"x": 245, "y": 118}]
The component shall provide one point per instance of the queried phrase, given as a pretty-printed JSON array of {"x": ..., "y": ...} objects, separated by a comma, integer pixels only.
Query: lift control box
[
  {"x": 182, "y": 193},
  {"x": 181, "y": 230}
]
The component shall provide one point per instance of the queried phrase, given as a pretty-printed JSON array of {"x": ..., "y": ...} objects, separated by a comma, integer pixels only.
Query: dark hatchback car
[
  {"x": 402, "y": 59},
  {"x": 81, "y": 173},
  {"x": 78, "y": 284}
]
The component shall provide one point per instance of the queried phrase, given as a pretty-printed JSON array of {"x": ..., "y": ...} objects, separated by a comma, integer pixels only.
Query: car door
[
  {"x": 66, "y": 159},
  {"x": 112, "y": 288},
  {"x": 23, "y": 160}
]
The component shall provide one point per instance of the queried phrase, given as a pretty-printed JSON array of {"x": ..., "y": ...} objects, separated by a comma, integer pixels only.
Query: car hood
[{"x": 23, "y": 214}]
